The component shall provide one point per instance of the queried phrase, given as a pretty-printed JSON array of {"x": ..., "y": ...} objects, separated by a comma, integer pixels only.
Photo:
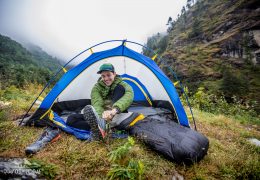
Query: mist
[{"x": 63, "y": 28}]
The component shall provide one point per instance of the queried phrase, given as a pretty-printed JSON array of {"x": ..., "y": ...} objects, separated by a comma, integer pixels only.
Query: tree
[
  {"x": 169, "y": 21},
  {"x": 188, "y": 5},
  {"x": 171, "y": 27},
  {"x": 157, "y": 42},
  {"x": 195, "y": 29},
  {"x": 183, "y": 10},
  {"x": 233, "y": 85}
]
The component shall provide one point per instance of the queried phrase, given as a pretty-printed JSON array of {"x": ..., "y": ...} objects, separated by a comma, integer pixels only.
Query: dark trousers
[
  {"x": 118, "y": 92},
  {"x": 78, "y": 121}
]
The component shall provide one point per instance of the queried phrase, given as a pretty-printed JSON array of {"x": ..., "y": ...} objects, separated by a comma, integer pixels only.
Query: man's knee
[{"x": 118, "y": 92}]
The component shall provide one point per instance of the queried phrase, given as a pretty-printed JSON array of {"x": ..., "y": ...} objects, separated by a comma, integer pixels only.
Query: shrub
[
  {"x": 123, "y": 166},
  {"x": 204, "y": 101}
]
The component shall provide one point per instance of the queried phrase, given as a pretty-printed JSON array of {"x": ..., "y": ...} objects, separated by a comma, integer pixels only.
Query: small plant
[
  {"x": 121, "y": 151},
  {"x": 125, "y": 167},
  {"x": 47, "y": 170}
]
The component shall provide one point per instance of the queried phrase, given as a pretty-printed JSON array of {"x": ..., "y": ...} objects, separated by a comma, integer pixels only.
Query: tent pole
[{"x": 186, "y": 97}]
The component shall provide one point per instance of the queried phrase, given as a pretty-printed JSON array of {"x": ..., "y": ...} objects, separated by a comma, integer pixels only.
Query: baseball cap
[{"x": 106, "y": 67}]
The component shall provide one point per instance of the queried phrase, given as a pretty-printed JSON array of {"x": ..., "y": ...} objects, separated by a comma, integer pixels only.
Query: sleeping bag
[{"x": 177, "y": 143}]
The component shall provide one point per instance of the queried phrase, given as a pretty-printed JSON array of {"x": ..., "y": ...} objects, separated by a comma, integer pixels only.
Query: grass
[{"x": 230, "y": 155}]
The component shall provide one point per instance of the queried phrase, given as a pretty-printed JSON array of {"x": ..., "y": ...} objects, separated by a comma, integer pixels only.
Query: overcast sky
[{"x": 63, "y": 28}]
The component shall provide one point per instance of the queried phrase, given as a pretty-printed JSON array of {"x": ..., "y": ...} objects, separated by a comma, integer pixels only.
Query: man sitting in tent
[{"x": 109, "y": 97}]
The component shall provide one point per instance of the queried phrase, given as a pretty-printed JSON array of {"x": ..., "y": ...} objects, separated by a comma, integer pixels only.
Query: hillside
[
  {"x": 215, "y": 44},
  {"x": 19, "y": 66},
  {"x": 43, "y": 59}
]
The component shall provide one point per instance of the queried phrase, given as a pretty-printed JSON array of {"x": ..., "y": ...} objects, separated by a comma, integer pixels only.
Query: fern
[{"x": 123, "y": 166}]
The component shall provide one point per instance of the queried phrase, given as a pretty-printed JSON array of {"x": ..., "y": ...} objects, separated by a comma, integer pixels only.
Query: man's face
[{"x": 108, "y": 77}]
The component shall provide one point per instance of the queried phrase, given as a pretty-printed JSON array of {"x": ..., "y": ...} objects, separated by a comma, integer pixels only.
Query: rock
[
  {"x": 14, "y": 168},
  {"x": 177, "y": 176},
  {"x": 4, "y": 105},
  {"x": 254, "y": 141}
]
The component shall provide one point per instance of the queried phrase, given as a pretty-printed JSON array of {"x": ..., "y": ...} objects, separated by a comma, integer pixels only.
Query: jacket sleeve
[
  {"x": 97, "y": 101},
  {"x": 126, "y": 100}
]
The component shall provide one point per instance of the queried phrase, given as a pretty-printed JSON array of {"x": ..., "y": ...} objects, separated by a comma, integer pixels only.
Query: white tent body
[{"x": 80, "y": 87}]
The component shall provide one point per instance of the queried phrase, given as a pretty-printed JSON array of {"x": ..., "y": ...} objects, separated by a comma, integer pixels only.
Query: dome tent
[
  {"x": 151, "y": 86},
  {"x": 154, "y": 95}
]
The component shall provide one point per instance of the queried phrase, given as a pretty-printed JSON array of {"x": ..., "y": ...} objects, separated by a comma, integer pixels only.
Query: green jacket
[{"x": 101, "y": 100}]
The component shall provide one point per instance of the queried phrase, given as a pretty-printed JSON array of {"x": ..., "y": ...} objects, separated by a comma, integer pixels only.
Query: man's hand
[
  {"x": 113, "y": 112},
  {"x": 108, "y": 115}
]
